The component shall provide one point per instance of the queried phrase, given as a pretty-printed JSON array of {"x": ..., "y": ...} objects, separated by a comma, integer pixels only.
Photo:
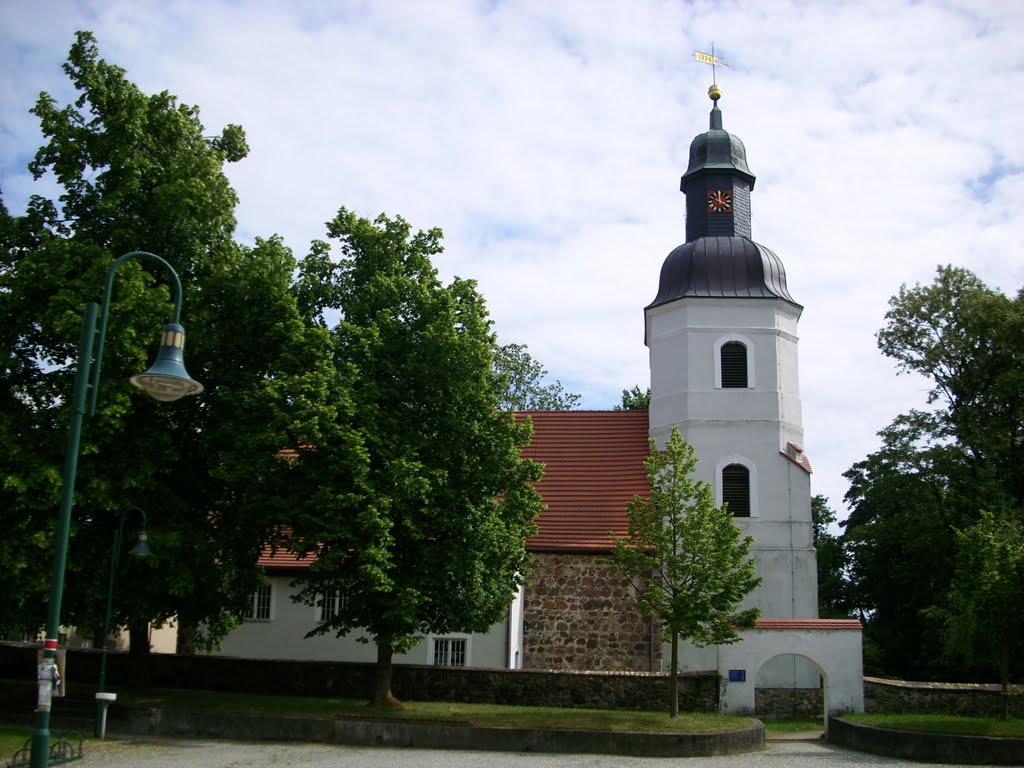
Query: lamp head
[
  {"x": 141, "y": 549},
  {"x": 167, "y": 379}
]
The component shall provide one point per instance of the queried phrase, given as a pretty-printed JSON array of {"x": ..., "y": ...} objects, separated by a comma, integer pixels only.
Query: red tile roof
[
  {"x": 818, "y": 624},
  {"x": 594, "y": 465}
]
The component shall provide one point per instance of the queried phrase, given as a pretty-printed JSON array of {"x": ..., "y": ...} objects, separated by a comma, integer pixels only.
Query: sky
[{"x": 547, "y": 139}]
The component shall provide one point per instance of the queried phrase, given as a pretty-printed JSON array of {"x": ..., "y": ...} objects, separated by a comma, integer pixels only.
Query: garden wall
[
  {"x": 600, "y": 690},
  {"x": 947, "y": 698}
]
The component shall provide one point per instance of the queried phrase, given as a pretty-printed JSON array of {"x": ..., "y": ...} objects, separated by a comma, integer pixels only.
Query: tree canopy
[
  {"x": 634, "y": 400},
  {"x": 937, "y": 467},
  {"x": 525, "y": 387},
  {"x": 686, "y": 557},
  {"x": 981, "y": 617},
  {"x": 137, "y": 172}
]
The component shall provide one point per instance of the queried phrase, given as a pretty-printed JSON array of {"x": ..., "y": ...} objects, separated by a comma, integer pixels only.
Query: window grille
[
  {"x": 736, "y": 489},
  {"x": 329, "y": 605},
  {"x": 734, "y": 365},
  {"x": 449, "y": 652},
  {"x": 260, "y": 609}
]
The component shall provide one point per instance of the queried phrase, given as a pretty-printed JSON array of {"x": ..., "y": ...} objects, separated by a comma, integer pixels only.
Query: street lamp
[
  {"x": 140, "y": 551},
  {"x": 166, "y": 380}
]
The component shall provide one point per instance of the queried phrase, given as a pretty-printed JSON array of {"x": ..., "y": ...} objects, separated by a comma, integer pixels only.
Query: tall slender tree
[{"x": 688, "y": 561}]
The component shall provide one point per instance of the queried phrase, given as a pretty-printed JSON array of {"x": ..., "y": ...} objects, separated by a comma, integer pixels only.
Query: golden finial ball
[{"x": 715, "y": 92}]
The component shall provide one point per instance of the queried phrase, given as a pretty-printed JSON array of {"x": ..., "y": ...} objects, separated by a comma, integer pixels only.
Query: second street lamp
[
  {"x": 140, "y": 552},
  {"x": 166, "y": 380}
]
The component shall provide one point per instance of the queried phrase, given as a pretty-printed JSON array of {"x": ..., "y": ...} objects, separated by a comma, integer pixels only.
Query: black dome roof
[{"x": 726, "y": 267}]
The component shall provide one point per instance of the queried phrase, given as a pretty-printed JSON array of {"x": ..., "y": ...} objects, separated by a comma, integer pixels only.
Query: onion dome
[{"x": 719, "y": 259}]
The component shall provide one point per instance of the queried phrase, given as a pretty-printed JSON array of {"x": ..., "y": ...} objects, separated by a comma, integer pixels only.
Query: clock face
[{"x": 719, "y": 201}]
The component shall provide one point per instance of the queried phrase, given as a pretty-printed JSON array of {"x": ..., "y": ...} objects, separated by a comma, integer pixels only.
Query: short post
[{"x": 103, "y": 700}]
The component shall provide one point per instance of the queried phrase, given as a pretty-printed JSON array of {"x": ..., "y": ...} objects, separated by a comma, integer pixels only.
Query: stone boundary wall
[
  {"x": 698, "y": 691},
  {"x": 978, "y": 699}
]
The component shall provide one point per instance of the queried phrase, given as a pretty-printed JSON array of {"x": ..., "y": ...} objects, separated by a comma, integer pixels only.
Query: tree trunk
[
  {"x": 138, "y": 656},
  {"x": 185, "y": 642},
  {"x": 382, "y": 696},
  {"x": 1004, "y": 676},
  {"x": 673, "y": 685}
]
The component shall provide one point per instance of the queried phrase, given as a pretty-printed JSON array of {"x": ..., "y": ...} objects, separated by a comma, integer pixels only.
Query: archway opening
[{"x": 791, "y": 686}]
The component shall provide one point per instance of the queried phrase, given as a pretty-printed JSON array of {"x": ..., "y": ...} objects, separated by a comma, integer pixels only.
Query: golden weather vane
[{"x": 714, "y": 61}]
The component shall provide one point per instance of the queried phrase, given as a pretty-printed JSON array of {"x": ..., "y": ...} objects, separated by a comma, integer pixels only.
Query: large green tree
[
  {"x": 937, "y": 467},
  {"x": 687, "y": 559},
  {"x": 139, "y": 172},
  {"x": 413, "y": 499}
]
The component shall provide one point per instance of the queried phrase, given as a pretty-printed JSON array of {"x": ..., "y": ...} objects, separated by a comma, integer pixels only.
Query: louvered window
[
  {"x": 734, "y": 365},
  {"x": 736, "y": 489}
]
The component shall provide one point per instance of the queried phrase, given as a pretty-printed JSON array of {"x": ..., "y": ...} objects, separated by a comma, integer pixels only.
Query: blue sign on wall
[{"x": 737, "y": 675}]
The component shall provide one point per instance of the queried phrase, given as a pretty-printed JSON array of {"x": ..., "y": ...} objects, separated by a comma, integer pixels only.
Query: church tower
[{"x": 722, "y": 336}]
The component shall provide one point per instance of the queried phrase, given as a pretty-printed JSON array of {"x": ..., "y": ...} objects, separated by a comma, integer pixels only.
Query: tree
[
  {"x": 982, "y": 615},
  {"x": 686, "y": 558},
  {"x": 524, "y": 387},
  {"x": 833, "y": 599},
  {"x": 936, "y": 468},
  {"x": 137, "y": 172},
  {"x": 421, "y": 527},
  {"x": 968, "y": 339},
  {"x": 634, "y": 400}
]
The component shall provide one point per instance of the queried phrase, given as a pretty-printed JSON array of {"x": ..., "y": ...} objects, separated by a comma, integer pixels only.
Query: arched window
[
  {"x": 736, "y": 489},
  {"x": 734, "y": 365}
]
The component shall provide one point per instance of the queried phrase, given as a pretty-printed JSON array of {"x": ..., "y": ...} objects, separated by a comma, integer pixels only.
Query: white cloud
[{"x": 547, "y": 141}]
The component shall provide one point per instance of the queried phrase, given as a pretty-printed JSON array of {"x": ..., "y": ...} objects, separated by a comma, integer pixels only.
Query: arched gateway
[{"x": 832, "y": 645}]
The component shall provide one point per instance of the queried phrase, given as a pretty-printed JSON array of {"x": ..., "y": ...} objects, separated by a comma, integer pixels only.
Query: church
[{"x": 722, "y": 338}]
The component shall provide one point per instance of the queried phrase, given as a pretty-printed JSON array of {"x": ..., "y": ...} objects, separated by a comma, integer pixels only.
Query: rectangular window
[
  {"x": 449, "y": 652},
  {"x": 329, "y": 605},
  {"x": 260, "y": 608}
]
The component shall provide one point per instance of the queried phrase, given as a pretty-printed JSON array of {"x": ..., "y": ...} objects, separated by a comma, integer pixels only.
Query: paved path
[{"x": 192, "y": 753}]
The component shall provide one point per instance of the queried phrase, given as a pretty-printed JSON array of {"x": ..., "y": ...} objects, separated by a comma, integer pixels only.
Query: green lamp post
[
  {"x": 140, "y": 551},
  {"x": 166, "y": 380}
]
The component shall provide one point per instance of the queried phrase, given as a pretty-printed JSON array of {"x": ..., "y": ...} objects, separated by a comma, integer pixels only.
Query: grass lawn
[
  {"x": 12, "y": 738},
  {"x": 473, "y": 714},
  {"x": 955, "y": 724}
]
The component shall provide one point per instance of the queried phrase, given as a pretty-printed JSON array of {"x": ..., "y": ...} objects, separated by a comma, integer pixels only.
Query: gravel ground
[{"x": 227, "y": 754}]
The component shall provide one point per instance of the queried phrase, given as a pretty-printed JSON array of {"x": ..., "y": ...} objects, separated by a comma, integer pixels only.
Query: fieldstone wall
[
  {"x": 788, "y": 702},
  {"x": 698, "y": 691},
  {"x": 579, "y": 615},
  {"x": 979, "y": 699}
]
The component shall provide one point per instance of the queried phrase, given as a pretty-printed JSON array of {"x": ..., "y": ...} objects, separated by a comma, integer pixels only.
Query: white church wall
[{"x": 282, "y": 636}]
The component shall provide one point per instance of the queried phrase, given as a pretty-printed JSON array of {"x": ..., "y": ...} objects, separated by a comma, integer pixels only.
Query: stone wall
[
  {"x": 788, "y": 702},
  {"x": 946, "y": 698},
  {"x": 579, "y": 615},
  {"x": 592, "y": 690}
]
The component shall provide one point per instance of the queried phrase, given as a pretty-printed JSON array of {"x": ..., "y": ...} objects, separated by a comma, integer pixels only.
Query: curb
[
  {"x": 926, "y": 747},
  {"x": 438, "y": 735}
]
